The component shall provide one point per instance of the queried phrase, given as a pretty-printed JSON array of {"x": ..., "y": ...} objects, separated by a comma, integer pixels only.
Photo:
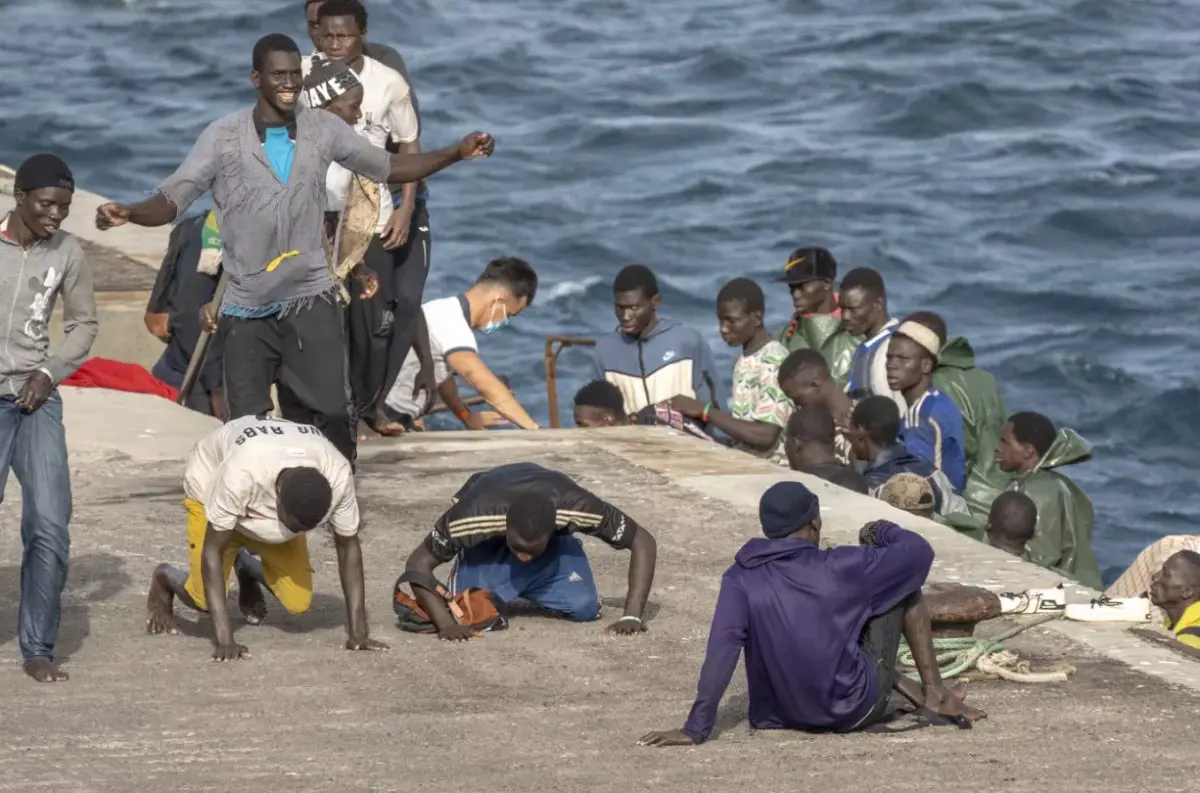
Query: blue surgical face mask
[{"x": 496, "y": 324}]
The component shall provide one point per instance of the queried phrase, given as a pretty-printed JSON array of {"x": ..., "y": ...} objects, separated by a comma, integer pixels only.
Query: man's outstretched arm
[
  {"x": 212, "y": 573},
  {"x": 422, "y": 560},
  {"x": 726, "y": 638},
  {"x": 193, "y": 179},
  {"x": 157, "y": 210},
  {"x": 350, "y": 570},
  {"x": 414, "y": 167}
]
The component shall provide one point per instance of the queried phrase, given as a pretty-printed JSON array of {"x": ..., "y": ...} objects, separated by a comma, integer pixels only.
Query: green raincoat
[
  {"x": 975, "y": 392},
  {"x": 824, "y": 333},
  {"x": 1063, "y": 539}
]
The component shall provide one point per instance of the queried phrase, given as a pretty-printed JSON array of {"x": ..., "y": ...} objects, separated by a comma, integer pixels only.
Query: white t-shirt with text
[
  {"x": 450, "y": 331},
  {"x": 387, "y": 112},
  {"x": 232, "y": 471}
]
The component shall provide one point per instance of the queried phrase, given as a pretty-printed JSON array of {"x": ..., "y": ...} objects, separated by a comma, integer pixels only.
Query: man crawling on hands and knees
[{"x": 255, "y": 487}]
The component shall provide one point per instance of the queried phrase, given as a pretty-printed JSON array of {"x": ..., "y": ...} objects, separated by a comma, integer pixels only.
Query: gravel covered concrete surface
[{"x": 545, "y": 706}]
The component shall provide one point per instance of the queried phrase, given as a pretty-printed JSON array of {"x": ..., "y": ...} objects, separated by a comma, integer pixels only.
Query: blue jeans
[
  {"x": 34, "y": 446},
  {"x": 559, "y": 580}
]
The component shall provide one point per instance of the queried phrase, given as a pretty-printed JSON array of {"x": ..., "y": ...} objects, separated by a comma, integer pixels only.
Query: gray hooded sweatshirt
[{"x": 30, "y": 282}]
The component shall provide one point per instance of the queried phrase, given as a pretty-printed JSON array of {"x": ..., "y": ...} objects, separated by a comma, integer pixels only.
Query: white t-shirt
[
  {"x": 450, "y": 331},
  {"x": 387, "y": 112},
  {"x": 232, "y": 472}
]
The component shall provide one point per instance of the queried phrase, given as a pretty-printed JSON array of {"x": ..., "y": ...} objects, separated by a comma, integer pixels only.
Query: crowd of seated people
[{"x": 845, "y": 391}]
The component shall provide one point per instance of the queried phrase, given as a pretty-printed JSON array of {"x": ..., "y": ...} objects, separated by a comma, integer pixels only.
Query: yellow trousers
[{"x": 285, "y": 566}]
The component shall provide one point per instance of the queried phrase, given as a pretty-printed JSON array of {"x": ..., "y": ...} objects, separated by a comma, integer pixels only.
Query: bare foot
[
  {"x": 43, "y": 670},
  {"x": 160, "y": 617},
  {"x": 386, "y": 427},
  {"x": 251, "y": 600}
]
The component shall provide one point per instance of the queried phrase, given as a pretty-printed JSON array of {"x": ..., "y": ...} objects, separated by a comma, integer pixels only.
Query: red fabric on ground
[{"x": 119, "y": 376}]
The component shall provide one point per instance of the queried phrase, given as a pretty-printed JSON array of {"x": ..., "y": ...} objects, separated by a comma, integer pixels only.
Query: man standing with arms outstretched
[
  {"x": 266, "y": 166},
  {"x": 38, "y": 263}
]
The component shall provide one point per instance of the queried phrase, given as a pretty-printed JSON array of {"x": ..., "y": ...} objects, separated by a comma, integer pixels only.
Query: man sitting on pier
[
  {"x": 510, "y": 531},
  {"x": 820, "y": 627},
  {"x": 261, "y": 485}
]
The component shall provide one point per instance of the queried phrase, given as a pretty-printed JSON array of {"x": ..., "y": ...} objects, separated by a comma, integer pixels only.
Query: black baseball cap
[{"x": 809, "y": 264}]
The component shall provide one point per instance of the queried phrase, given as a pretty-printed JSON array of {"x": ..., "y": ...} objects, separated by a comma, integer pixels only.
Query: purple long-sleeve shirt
[{"x": 799, "y": 612}]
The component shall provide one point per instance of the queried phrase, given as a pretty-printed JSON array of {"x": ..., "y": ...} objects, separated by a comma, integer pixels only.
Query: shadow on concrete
[
  {"x": 327, "y": 612},
  {"x": 93, "y": 578}
]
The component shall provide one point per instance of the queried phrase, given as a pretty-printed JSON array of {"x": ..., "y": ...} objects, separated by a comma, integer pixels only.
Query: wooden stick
[{"x": 201, "y": 351}]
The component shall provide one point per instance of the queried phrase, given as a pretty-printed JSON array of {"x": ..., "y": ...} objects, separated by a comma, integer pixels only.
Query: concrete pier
[{"x": 544, "y": 706}]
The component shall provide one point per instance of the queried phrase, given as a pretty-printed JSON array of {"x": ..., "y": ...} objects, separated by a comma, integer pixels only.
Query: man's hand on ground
[
  {"x": 395, "y": 232},
  {"x": 457, "y": 633},
  {"x": 111, "y": 215},
  {"x": 945, "y": 702},
  {"x": 477, "y": 144},
  {"x": 626, "y": 627},
  {"x": 230, "y": 652},
  {"x": 687, "y": 406},
  {"x": 208, "y": 318},
  {"x": 666, "y": 738},
  {"x": 366, "y": 644},
  {"x": 37, "y": 389}
]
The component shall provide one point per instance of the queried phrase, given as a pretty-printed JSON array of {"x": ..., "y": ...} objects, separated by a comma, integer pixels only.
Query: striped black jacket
[{"x": 481, "y": 505}]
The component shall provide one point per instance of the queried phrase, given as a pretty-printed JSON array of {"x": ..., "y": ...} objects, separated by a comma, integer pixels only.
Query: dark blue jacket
[{"x": 799, "y": 612}]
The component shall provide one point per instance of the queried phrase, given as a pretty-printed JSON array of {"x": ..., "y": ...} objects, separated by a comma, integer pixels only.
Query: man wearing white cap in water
[{"x": 932, "y": 427}]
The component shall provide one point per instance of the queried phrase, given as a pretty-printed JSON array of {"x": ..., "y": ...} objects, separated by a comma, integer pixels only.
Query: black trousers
[
  {"x": 380, "y": 329},
  {"x": 304, "y": 353},
  {"x": 880, "y": 640}
]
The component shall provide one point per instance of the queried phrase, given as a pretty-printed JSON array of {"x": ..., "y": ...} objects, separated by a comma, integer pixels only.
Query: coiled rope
[{"x": 956, "y": 656}]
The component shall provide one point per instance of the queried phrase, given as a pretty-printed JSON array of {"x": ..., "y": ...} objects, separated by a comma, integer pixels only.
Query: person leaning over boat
[
  {"x": 759, "y": 410},
  {"x": 932, "y": 426},
  {"x": 381, "y": 328},
  {"x": 38, "y": 263},
  {"x": 652, "y": 358},
  {"x": 511, "y": 531},
  {"x": 505, "y": 288},
  {"x": 1032, "y": 450},
  {"x": 266, "y": 168},
  {"x": 817, "y": 319},
  {"x": 864, "y": 303}
]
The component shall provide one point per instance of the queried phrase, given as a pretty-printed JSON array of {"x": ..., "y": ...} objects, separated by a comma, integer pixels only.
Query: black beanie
[{"x": 43, "y": 170}]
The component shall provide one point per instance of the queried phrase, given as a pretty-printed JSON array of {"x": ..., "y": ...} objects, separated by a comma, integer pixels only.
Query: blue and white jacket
[{"x": 673, "y": 360}]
